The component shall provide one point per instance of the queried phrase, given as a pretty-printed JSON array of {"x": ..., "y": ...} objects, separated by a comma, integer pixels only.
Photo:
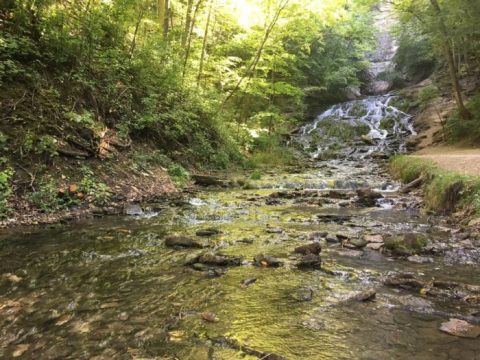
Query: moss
[{"x": 444, "y": 191}]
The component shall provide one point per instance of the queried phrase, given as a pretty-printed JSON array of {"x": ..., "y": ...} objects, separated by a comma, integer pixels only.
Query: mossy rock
[{"x": 406, "y": 244}]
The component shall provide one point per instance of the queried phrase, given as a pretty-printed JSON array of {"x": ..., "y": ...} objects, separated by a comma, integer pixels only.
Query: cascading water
[{"x": 357, "y": 129}]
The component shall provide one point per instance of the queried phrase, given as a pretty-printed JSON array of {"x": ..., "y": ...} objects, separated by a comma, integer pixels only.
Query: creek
[{"x": 111, "y": 289}]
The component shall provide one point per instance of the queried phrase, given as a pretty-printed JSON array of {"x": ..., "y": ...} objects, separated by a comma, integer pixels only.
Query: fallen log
[{"x": 412, "y": 185}]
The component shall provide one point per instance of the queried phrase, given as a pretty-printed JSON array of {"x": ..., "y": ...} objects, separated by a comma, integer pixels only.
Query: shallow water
[{"x": 110, "y": 289}]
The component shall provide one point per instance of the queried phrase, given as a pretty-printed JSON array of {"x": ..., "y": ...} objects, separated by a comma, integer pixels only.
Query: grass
[{"x": 444, "y": 191}]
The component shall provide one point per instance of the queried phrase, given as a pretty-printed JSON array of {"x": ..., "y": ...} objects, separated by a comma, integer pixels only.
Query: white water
[{"x": 367, "y": 112}]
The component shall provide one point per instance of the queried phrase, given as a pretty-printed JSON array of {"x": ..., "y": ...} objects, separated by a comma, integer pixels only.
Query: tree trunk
[
  {"x": 204, "y": 45},
  {"x": 188, "y": 22},
  {"x": 166, "y": 19},
  {"x": 189, "y": 37},
  {"x": 448, "y": 52}
]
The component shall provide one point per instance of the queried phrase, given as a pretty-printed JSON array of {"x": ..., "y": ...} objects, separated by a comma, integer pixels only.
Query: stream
[{"x": 111, "y": 289}]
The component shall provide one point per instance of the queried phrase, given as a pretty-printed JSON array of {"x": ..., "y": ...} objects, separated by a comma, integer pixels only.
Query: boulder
[
  {"x": 312, "y": 248},
  {"x": 310, "y": 261}
]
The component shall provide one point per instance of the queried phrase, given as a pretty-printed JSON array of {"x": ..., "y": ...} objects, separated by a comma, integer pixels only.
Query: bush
[{"x": 179, "y": 174}]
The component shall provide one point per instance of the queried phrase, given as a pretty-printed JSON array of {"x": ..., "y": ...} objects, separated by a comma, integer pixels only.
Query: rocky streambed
[{"x": 326, "y": 261}]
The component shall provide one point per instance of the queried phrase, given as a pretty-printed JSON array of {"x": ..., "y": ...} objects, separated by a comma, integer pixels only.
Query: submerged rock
[
  {"x": 267, "y": 261},
  {"x": 312, "y": 248},
  {"x": 248, "y": 281},
  {"x": 181, "y": 242},
  {"x": 310, "y": 261},
  {"x": 303, "y": 294},
  {"x": 217, "y": 260},
  {"x": 460, "y": 328},
  {"x": 420, "y": 259},
  {"x": 366, "y": 295},
  {"x": 208, "y": 232}
]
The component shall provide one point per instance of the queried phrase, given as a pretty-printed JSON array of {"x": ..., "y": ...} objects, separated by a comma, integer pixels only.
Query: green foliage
[
  {"x": 95, "y": 191},
  {"x": 256, "y": 175},
  {"x": 178, "y": 174},
  {"x": 48, "y": 198},
  {"x": 465, "y": 131},
  {"x": 6, "y": 173}
]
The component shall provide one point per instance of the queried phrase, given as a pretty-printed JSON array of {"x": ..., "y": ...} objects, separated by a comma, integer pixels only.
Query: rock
[
  {"x": 474, "y": 222},
  {"x": 317, "y": 235},
  {"x": 351, "y": 253},
  {"x": 460, "y": 328},
  {"x": 208, "y": 232},
  {"x": 420, "y": 259},
  {"x": 375, "y": 246},
  {"x": 181, "y": 242},
  {"x": 332, "y": 239},
  {"x": 12, "y": 278},
  {"x": 207, "y": 180},
  {"x": 368, "y": 140},
  {"x": 245, "y": 241},
  {"x": 303, "y": 294},
  {"x": 267, "y": 261},
  {"x": 123, "y": 316},
  {"x": 368, "y": 197},
  {"x": 248, "y": 281},
  {"x": 133, "y": 210},
  {"x": 310, "y": 261},
  {"x": 342, "y": 237},
  {"x": 209, "y": 316},
  {"x": 274, "y": 230},
  {"x": 20, "y": 350},
  {"x": 365, "y": 295},
  {"x": 407, "y": 244},
  {"x": 373, "y": 238},
  {"x": 313, "y": 248},
  {"x": 358, "y": 243},
  {"x": 218, "y": 260}
]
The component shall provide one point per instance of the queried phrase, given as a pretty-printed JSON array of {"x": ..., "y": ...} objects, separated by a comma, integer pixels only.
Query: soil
[{"x": 465, "y": 161}]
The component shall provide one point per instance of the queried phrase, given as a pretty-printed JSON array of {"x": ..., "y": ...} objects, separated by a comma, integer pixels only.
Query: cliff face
[{"x": 382, "y": 58}]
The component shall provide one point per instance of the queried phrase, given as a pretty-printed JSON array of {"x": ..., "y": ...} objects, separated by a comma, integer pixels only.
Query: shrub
[
  {"x": 5, "y": 187},
  {"x": 465, "y": 131},
  {"x": 178, "y": 174}
]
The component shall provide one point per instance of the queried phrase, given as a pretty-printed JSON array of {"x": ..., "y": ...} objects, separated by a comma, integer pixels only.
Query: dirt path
[{"x": 466, "y": 161}]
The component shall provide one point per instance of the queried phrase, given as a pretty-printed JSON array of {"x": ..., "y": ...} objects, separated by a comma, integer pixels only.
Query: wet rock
[
  {"x": 420, "y": 259},
  {"x": 209, "y": 316},
  {"x": 407, "y": 244},
  {"x": 317, "y": 235},
  {"x": 181, "y": 242},
  {"x": 208, "y": 232},
  {"x": 133, "y": 210},
  {"x": 274, "y": 230},
  {"x": 248, "y": 281},
  {"x": 342, "y": 237},
  {"x": 338, "y": 219},
  {"x": 351, "y": 253},
  {"x": 343, "y": 195},
  {"x": 218, "y": 260},
  {"x": 332, "y": 239},
  {"x": 206, "y": 180},
  {"x": 460, "y": 328},
  {"x": 414, "y": 302},
  {"x": 303, "y": 294},
  {"x": 313, "y": 248},
  {"x": 358, "y": 243},
  {"x": 368, "y": 140},
  {"x": 374, "y": 246},
  {"x": 310, "y": 261},
  {"x": 263, "y": 260},
  {"x": 368, "y": 197},
  {"x": 373, "y": 238},
  {"x": 366, "y": 295},
  {"x": 245, "y": 241}
]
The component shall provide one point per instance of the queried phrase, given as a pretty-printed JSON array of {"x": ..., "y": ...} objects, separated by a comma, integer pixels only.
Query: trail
[{"x": 463, "y": 161}]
